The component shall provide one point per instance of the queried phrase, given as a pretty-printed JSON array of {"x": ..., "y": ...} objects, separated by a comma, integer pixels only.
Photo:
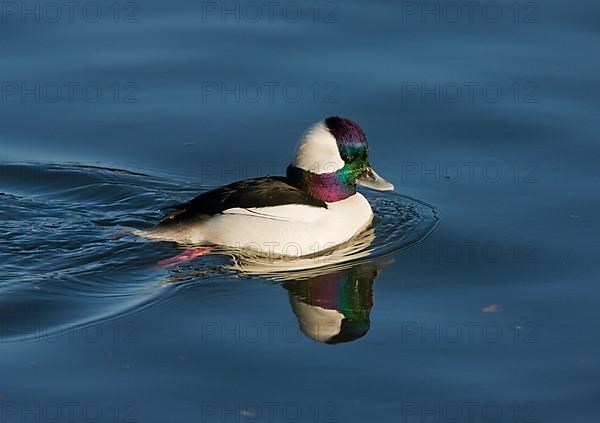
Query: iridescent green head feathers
[{"x": 331, "y": 159}]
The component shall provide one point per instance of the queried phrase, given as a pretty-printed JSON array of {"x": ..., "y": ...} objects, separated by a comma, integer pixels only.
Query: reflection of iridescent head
[{"x": 334, "y": 308}]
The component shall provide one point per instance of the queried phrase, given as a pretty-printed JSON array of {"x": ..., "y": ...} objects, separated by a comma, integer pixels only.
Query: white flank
[{"x": 289, "y": 230}]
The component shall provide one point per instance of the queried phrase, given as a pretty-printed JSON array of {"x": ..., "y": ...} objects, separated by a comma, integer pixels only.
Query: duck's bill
[{"x": 371, "y": 179}]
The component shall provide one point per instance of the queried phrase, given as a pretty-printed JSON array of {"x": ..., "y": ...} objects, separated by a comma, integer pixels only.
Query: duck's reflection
[
  {"x": 331, "y": 294},
  {"x": 335, "y": 307}
]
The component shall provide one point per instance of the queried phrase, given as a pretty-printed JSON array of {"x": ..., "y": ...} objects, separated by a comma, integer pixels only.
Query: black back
[{"x": 258, "y": 192}]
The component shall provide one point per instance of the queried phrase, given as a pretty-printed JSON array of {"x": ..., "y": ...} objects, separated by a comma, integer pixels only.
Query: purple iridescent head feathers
[{"x": 331, "y": 159}]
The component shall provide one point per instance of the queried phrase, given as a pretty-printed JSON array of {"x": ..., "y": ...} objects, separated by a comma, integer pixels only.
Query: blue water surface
[{"x": 482, "y": 305}]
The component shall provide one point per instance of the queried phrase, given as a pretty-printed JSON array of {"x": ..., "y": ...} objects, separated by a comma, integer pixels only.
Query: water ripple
[{"x": 68, "y": 255}]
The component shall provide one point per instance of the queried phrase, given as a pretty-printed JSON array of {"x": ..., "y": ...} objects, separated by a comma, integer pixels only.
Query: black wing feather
[{"x": 259, "y": 192}]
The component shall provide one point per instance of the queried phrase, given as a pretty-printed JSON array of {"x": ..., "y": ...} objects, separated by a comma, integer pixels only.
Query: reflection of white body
[
  {"x": 301, "y": 268},
  {"x": 291, "y": 230}
]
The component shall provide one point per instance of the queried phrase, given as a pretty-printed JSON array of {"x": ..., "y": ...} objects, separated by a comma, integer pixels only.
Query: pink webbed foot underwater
[{"x": 186, "y": 255}]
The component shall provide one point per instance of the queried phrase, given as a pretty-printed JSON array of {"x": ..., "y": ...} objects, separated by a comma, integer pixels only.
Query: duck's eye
[{"x": 346, "y": 157}]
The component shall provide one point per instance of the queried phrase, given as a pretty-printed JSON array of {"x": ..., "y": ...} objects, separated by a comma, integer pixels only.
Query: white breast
[{"x": 290, "y": 230}]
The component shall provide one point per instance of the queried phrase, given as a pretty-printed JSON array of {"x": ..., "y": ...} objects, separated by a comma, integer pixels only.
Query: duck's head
[{"x": 332, "y": 157}]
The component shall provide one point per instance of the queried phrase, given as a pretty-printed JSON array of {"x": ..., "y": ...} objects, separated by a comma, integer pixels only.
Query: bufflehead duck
[{"x": 313, "y": 208}]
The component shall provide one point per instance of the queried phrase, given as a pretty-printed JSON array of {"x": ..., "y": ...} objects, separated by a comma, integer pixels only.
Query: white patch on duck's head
[{"x": 318, "y": 151}]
